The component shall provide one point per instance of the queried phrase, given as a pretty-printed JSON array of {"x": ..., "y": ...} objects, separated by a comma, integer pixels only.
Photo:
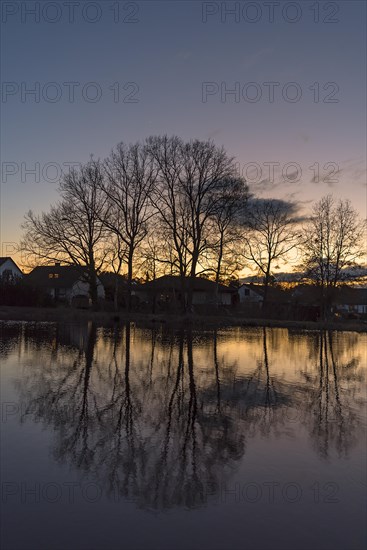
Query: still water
[{"x": 127, "y": 438}]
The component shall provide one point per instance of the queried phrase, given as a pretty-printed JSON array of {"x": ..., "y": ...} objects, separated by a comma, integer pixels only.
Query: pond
[{"x": 129, "y": 438}]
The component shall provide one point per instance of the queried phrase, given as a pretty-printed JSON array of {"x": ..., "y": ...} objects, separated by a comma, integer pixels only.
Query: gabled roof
[
  {"x": 306, "y": 294},
  {"x": 253, "y": 287},
  {"x": 275, "y": 294},
  {"x": 108, "y": 279},
  {"x": 344, "y": 295},
  {"x": 68, "y": 275},
  {"x": 4, "y": 259},
  {"x": 171, "y": 282}
]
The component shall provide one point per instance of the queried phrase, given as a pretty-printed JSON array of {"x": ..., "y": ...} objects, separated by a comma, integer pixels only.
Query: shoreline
[{"x": 149, "y": 320}]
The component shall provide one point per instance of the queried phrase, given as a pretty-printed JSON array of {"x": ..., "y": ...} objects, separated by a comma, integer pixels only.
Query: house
[
  {"x": 167, "y": 291},
  {"x": 9, "y": 271},
  {"x": 250, "y": 294},
  {"x": 64, "y": 283},
  {"x": 306, "y": 302},
  {"x": 350, "y": 301},
  {"x": 277, "y": 305},
  {"x": 344, "y": 300}
]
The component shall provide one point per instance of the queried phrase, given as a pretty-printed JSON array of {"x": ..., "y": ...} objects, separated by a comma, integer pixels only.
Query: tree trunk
[
  {"x": 93, "y": 284},
  {"x": 191, "y": 281},
  {"x": 219, "y": 265},
  {"x": 266, "y": 287},
  {"x": 184, "y": 305},
  {"x": 190, "y": 294},
  {"x": 129, "y": 279},
  {"x": 116, "y": 292}
]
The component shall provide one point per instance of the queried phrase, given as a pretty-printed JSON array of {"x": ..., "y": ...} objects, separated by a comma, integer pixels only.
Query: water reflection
[
  {"x": 165, "y": 418},
  {"x": 331, "y": 399}
]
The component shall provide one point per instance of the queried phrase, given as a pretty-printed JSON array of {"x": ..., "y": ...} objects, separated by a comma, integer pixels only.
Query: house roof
[
  {"x": 306, "y": 294},
  {"x": 171, "y": 282},
  {"x": 4, "y": 259},
  {"x": 108, "y": 279},
  {"x": 68, "y": 275},
  {"x": 253, "y": 287},
  {"x": 275, "y": 294},
  {"x": 346, "y": 295},
  {"x": 351, "y": 296}
]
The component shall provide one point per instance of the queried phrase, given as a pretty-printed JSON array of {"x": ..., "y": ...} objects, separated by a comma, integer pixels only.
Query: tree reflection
[
  {"x": 259, "y": 398},
  {"x": 10, "y": 338},
  {"x": 270, "y": 395},
  {"x": 161, "y": 418},
  {"x": 331, "y": 398}
]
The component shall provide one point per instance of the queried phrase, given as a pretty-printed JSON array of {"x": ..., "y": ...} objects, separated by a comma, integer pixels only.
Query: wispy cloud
[
  {"x": 355, "y": 170},
  {"x": 214, "y": 133}
]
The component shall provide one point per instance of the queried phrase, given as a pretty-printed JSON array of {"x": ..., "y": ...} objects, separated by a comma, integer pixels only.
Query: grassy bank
[{"x": 104, "y": 318}]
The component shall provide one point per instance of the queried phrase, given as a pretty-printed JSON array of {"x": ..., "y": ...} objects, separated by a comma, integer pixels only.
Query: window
[
  {"x": 7, "y": 276},
  {"x": 247, "y": 292},
  {"x": 50, "y": 275}
]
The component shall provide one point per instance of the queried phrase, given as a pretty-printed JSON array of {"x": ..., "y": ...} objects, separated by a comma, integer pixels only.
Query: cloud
[
  {"x": 319, "y": 180},
  {"x": 289, "y": 206},
  {"x": 355, "y": 169},
  {"x": 215, "y": 133}
]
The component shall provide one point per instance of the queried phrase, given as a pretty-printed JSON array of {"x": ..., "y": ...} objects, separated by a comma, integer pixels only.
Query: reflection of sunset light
[{"x": 135, "y": 407}]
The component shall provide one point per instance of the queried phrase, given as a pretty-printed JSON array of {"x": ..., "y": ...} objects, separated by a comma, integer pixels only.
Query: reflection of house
[
  {"x": 168, "y": 290},
  {"x": 9, "y": 269},
  {"x": 65, "y": 283}
]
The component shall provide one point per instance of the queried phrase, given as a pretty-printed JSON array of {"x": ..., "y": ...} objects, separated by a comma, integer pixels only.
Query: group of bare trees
[
  {"x": 149, "y": 208},
  {"x": 166, "y": 206}
]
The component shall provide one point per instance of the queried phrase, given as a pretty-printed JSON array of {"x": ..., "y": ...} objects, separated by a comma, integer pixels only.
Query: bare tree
[
  {"x": 168, "y": 199},
  {"x": 224, "y": 236},
  {"x": 73, "y": 231},
  {"x": 269, "y": 235},
  {"x": 130, "y": 178},
  {"x": 186, "y": 197},
  {"x": 155, "y": 257},
  {"x": 332, "y": 242},
  {"x": 117, "y": 254}
]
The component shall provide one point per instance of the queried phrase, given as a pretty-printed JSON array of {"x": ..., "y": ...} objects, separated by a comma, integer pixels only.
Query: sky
[{"x": 281, "y": 85}]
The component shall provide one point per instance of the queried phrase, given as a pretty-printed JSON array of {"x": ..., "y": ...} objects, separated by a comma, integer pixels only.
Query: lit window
[
  {"x": 56, "y": 275},
  {"x": 50, "y": 275}
]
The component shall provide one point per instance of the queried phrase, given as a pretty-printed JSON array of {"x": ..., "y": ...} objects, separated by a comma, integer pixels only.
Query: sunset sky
[{"x": 161, "y": 54}]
